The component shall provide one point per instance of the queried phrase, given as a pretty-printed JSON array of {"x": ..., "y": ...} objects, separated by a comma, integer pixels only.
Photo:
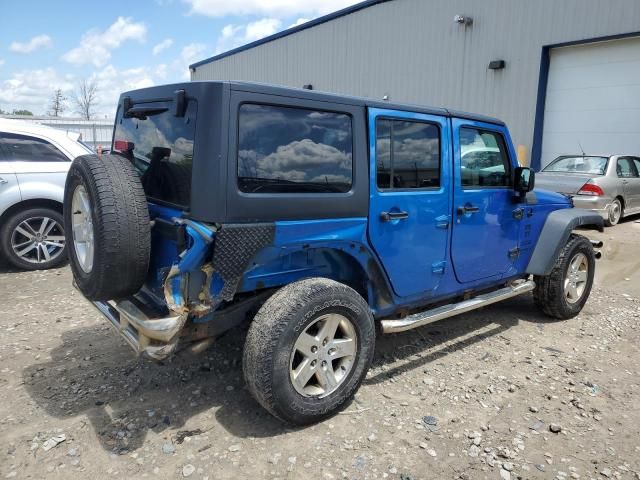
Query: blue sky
[{"x": 45, "y": 45}]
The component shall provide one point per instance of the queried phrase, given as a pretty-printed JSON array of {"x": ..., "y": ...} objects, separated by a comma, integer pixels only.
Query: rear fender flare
[{"x": 555, "y": 235}]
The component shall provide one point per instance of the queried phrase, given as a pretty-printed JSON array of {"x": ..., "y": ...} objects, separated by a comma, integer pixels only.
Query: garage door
[{"x": 593, "y": 100}]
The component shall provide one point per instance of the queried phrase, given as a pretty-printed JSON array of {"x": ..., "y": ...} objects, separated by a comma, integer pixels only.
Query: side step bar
[{"x": 422, "y": 318}]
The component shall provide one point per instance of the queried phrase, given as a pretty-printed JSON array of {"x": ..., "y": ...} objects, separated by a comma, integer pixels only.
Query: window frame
[
  {"x": 5, "y": 155},
  {"x": 508, "y": 172},
  {"x": 417, "y": 189},
  {"x": 632, "y": 164},
  {"x": 236, "y": 150}
]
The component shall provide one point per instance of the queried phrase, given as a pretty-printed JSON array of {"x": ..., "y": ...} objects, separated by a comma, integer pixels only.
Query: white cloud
[
  {"x": 189, "y": 54},
  {"x": 36, "y": 43},
  {"x": 32, "y": 89},
  {"x": 298, "y": 22},
  {"x": 112, "y": 82},
  {"x": 163, "y": 45},
  {"x": 95, "y": 46},
  {"x": 272, "y": 8},
  {"x": 235, "y": 35}
]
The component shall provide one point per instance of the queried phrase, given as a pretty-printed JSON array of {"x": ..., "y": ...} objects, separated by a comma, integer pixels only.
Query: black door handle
[
  {"x": 468, "y": 209},
  {"x": 389, "y": 216}
]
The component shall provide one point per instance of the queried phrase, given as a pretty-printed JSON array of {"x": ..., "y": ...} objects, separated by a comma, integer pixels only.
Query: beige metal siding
[{"x": 413, "y": 51}]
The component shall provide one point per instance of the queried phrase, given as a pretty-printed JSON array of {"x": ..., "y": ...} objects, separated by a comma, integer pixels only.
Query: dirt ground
[{"x": 499, "y": 393}]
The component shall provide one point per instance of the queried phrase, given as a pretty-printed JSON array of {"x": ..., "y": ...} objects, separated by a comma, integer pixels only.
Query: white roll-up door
[{"x": 593, "y": 100}]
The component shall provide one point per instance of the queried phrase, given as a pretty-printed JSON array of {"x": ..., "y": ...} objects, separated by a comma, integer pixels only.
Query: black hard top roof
[{"x": 263, "y": 88}]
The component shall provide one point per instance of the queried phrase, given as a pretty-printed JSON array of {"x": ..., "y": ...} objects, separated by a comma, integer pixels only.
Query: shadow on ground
[{"x": 92, "y": 372}]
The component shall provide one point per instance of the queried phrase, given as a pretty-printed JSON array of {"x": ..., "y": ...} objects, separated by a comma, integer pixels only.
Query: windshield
[
  {"x": 160, "y": 146},
  {"x": 590, "y": 165}
]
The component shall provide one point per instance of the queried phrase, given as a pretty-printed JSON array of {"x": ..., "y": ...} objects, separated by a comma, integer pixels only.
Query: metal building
[{"x": 564, "y": 74}]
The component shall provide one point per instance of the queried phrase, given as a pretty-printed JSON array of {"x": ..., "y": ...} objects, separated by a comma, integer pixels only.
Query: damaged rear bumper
[{"x": 150, "y": 334}]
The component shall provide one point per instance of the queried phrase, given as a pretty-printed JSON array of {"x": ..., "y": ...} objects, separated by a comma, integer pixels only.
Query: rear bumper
[
  {"x": 599, "y": 205},
  {"x": 147, "y": 332}
]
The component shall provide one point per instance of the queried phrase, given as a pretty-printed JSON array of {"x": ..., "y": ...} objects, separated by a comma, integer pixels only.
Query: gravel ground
[{"x": 499, "y": 393}]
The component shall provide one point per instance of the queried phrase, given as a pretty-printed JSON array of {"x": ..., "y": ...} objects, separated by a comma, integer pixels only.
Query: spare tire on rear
[{"x": 106, "y": 224}]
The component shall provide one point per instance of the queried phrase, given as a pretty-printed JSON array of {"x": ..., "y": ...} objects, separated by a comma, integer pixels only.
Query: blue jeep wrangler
[{"x": 321, "y": 219}]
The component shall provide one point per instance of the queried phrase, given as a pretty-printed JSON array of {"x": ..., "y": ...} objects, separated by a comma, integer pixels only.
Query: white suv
[{"x": 34, "y": 160}]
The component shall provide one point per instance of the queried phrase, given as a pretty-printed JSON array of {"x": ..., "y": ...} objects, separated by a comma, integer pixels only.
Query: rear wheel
[
  {"x": 563, "y": 293},
  {"x": 33, "y": 239},
  {"x": 615, "y": 213},
  {"x": 308, "y": 350}
]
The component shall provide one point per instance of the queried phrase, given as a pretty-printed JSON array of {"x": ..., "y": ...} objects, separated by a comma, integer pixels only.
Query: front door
[
  {"x": 485, "y": 233},
  {"x": 410, "y": 202}
]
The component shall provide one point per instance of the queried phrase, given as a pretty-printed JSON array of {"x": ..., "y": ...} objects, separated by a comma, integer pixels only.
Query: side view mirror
[{"x": 524, "y": 180}]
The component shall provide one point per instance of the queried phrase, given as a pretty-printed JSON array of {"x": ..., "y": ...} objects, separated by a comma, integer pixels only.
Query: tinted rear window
[
  {"x": 293, "y": 150},
  {"x": 160, "y": 145}
]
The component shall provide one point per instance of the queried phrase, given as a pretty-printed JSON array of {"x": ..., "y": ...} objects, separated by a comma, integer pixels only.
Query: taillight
[{"x": 591, "y": 189}]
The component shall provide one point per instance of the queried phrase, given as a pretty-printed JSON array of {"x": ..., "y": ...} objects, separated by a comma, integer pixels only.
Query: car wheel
[
  {"x": 106, "y": 222},
  {"x": 33, "y": 239},
  {"x": 563, "y": 293},
  {"x": 615, "y": 213},
  {"x": 308, "y": 349}
]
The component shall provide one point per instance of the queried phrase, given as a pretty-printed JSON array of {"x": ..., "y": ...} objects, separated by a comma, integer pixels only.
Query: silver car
[
  {"x": 34, "y": 161},
  {"x": 609, "y": 185}
]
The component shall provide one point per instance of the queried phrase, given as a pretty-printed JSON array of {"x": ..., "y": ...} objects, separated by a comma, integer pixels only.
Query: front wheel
[
  {"x": 563, "y": 293},
  {"x": 308, "y": 350}
]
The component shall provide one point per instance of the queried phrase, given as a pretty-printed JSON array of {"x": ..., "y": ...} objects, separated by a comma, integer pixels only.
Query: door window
[
  {"x": 407, "y": 154},
  {"x": 484, "y": 161},
  {"x": 636, "y": 162},
  {"x": 625, "y": 168},
  {"x": 22, "y": 148}
]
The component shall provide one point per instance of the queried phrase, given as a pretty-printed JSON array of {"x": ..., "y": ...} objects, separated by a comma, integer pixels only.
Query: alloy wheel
[
  {"x": 82, "y": 227},
  {"x": 38, "y": 240},
  {"x": 323, "y": 355},
  {"x": 575, "y": 280}
]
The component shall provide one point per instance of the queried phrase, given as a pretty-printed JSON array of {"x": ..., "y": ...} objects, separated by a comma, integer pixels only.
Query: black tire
[
  {"x": 269, "y": 348},
  {"x": 120, "y": 218},
  {"x": 615, "y": 213},
  {"x": 29, "y": 215},
  {"x": 549, "y": 294}
]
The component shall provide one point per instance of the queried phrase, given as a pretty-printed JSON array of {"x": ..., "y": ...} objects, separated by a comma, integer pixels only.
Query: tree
[
  {"x": 58, "y": 101},
  {"x": 86, "y": 98},
  {"x": 22, "y": 112}
]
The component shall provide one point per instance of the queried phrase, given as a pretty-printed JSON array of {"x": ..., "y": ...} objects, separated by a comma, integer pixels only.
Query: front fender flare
[{"x": 555, "y": 234}]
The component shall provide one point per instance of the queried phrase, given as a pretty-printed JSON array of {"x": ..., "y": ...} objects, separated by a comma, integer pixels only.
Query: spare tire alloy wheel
[
  {"x": 106, "y": 219},
  {"x": 323, "y": 355},
  {"x": 82, "y": 228},
  {"x": 38, "y": 241}
]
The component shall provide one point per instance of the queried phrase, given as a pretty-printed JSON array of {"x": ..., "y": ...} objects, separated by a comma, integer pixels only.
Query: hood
[
  {"x": 568, "y": 183},
  {"x": 547, "y": 197}
]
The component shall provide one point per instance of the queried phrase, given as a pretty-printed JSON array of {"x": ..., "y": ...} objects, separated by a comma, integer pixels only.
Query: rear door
[
  {"x": 627, "y": 169},
  {"x": 410, "y": 197},
  {"x": 485, "y": 233},
  {"x": 9, "y": 190}
]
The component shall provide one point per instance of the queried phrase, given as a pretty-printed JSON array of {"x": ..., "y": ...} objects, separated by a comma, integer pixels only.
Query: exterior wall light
[
  {"x": 497, "y": 65},
  {"x": 463, "y": 20}
]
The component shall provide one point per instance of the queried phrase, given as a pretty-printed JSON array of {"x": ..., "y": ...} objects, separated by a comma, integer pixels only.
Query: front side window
[
  {"x": 293, "y": 150},
  {"x": 626, "y": 168},
  {"x": 483, "y": 159},
  {"x": 407, "y": 154},
  {"x": 22, "y": 148},
  {"x": 160, "y": 146}
]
